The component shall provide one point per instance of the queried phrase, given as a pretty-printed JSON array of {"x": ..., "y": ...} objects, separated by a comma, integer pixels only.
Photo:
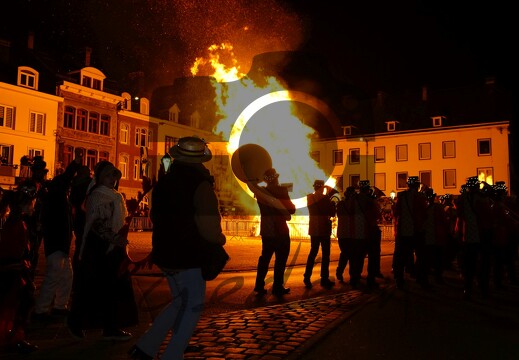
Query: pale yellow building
[
  {"x": 442, "y": 156},
  {"x": 28, "y": 124}
]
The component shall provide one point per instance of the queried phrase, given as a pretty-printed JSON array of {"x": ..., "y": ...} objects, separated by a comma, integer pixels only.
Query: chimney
[
  {"x": 88, "y": 55},
  {"x": 424, "y": 93},
  {"x": 30, "y": 41}
]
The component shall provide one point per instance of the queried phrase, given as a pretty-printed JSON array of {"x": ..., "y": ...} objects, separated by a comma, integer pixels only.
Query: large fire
[{"x": 264, "y": 115}]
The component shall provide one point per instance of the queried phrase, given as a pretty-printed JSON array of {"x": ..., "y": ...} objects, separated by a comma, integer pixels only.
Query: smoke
[{"x": 184, "y": 30}]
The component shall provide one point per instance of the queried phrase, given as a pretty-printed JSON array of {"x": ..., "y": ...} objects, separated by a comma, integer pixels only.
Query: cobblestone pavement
[{"x": 272, "y": 332}]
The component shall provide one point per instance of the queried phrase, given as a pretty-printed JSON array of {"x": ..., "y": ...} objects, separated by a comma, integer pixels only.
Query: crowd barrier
[{"x": 237, "y": 228}]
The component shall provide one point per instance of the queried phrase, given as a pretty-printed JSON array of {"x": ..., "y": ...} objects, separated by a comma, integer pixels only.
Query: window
[
  {"x": 137, "y": 168},
  {"x": 35, "y": 152},
  {"x": 68, "y": 155},
  {"x": 87, "y": 81},
  {"x": 91, "y": 158},
  {"x": 391, "y": 125},
  {"x": 81, "y": 120},
  {"x": 69, "y": 120},
  {"x": 96, "y": 84},
  {"x": 437, "y": 121},
  {"x": 355, "y": 156},
  {"x": 449, "y": 179},
  {"x": 316, "y": 155},
  {"x": 401, "y": 153},
  {"x": 401, "y": 180},
  {"x": 169, "y": 142},
  {"x": 6, "y": 154},
  {"x": 426, "y": 178},
  {"x": 6, "y": 116},
  {"x": 103, "y": 155},
  {"x": 104, "y": 128},
  {"x": 93, "y": 122},
  {"x": 150, "y": 139},
  {"x": 337, "y": 157},
  {"x": 424, "y": 151},
  {"x": 380, "y": 181},
  {"x": 484, "y": 147},
  {"x": 141, "y": 137},
  {"x": 354, "y": 180},
  {"x": 486, "y": 174},
  {"x": 449, "y": 149},
  {"x": 380, "y": 153},
  {"x": 124, "y": 161},
  {"x": 27, "y": 77},
  {"x": 37, "y": 123},
  {"x": 339, "y": 182},
  {"x": 125, "y": 132}
]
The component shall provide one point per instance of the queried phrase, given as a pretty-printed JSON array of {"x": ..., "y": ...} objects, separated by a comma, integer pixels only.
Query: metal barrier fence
[
  {"x": 236, "y": 228},
  {"x": 140, "y": 223},
  {"x": 250, "y": 228}
]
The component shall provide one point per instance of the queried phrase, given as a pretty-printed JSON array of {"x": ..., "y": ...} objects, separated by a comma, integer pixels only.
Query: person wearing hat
[
  {"x": 344, "y": 231},
  {"x": 373, "y": 235},
  {"x": 431, "y": 255},
  {"x": 504, "y": 248},
  {"x": 185, "y": 215},
  {"x": 34, "y": 222},
  {"x": 451, "y": 215},
  {"x": 409, "y": 213},
  {"x": 276, "y": 209},
  {"x": 475, "y": 227},
  {"x": 321, "y": 209}
]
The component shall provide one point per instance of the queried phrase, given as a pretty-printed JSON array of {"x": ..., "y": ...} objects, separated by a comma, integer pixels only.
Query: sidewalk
[{"x": 347, "y": 324}]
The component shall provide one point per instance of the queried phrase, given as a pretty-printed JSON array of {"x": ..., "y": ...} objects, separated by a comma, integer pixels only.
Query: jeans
[
  {"x": 57, "y": 283},
  {"x": 181, "y": 315}
]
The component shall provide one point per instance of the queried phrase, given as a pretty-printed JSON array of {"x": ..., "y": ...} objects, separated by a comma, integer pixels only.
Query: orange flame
[{"x": 264, "y": 115}]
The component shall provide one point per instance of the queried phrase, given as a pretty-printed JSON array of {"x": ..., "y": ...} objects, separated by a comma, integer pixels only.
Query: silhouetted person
[
  {"x": 185, "y": 216},
  {"x": 475, "y": 225},
  {"x": 371, "y": 212},
  {"x": 410, "y": 212},
  {"x": 276, "y": 209},
  {"x": 57, "y": 234},
  {"x": 344, "y": 231},
  {"x": 321, "y": 209}
]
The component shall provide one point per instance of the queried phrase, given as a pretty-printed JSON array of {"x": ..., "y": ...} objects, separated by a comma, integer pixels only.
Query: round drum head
[{"x": 249, "y": 162}]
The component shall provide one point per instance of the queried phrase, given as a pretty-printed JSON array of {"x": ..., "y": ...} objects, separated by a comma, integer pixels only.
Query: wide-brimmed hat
[
  {"x": 270, "y": 175},
  {"x": 318, "y": 184},
  {"x": 191, "y": 149}
]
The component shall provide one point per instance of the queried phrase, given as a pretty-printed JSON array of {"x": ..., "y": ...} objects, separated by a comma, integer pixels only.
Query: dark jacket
[
  {"x": 177, "y": 242},
  {"x": 320, "y": 209},
  {"x": 273, "y": 220},
  {"x": 57, "y": 212}
]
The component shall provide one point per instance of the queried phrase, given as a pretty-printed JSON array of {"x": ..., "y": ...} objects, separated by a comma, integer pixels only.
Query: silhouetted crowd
[{"x": 475, "y": 233}]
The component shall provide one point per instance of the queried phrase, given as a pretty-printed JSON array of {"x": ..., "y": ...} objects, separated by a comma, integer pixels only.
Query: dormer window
[
  {"x": 347, "y": 130},
  {"x": 92, "y": 78},
  {"x": 28, "y": 77},
  {"x": 437, "y": 121},
  {"x": 391, "y": 125}
]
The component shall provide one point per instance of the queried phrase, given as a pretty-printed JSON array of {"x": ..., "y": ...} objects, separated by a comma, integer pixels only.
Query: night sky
[{"x": 377, "y": 45}]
